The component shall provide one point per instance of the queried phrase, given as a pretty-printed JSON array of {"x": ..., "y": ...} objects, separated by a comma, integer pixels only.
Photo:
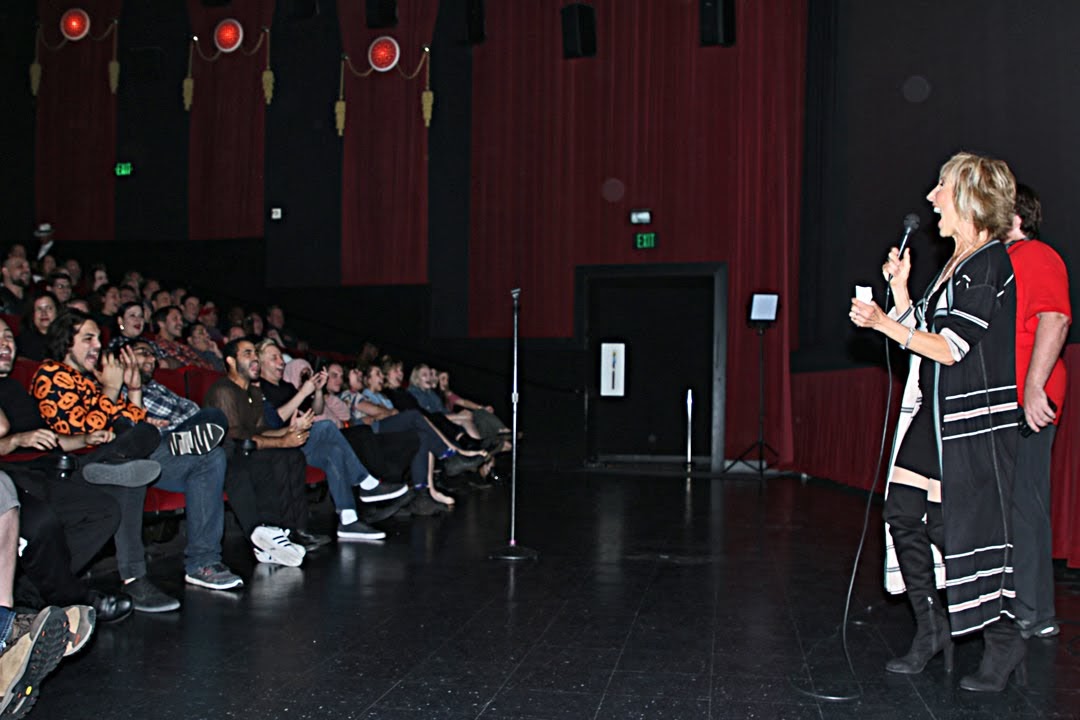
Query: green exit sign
[
  {"x": 123, "y": 169},
  {"x": 645, "y": 241}
]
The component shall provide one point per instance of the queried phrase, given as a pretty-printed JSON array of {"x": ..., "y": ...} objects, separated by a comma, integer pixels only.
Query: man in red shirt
[{"x": 1043, "y": 315}]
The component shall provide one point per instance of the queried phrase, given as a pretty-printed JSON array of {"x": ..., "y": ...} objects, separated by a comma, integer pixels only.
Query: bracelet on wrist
[{"x": 911, "y": 334}]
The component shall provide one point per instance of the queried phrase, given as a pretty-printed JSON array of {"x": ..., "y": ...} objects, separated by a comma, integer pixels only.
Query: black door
[{"x": 667, "y": 326}]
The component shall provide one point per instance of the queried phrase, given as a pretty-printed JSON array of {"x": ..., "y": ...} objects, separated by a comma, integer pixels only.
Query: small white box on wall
[{"x": 612, "y": 369}]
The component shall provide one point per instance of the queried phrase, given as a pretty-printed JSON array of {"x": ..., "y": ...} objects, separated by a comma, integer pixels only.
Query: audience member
[
  {"x": 59, "y": 284},
  {"x": 71, "y": 403},
  {"x": 190, "y": 308},
  {"x": 265, "y": 477},
  {"x": 193, "y": 464},
  {"x": 198, "y": 338},
  {"x": 15, "y": 273},
  {"x": 168, "y": 325},
  {"x": 43, "y": 310}
]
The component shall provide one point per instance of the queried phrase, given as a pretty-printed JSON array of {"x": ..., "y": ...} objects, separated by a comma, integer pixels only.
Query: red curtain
[
  {"x": 75, "y": 152},
  {"x": 827, "y": 405},
  {"x": 227, "y": 126},
  {"x": 708, "y": 138},
  {"x": 384, "y": 198}
]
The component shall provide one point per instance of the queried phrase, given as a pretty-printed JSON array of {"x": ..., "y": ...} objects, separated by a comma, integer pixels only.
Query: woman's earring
[{"x": 121, "y": 327}]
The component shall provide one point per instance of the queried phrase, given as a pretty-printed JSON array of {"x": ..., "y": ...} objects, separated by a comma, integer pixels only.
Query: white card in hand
[{"x": 864, "y": 294}]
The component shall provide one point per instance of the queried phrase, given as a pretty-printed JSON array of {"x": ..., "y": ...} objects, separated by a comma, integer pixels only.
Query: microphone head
[{"x": 911, "y": 222}]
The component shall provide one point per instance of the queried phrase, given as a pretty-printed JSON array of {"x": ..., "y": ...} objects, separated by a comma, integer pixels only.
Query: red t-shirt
[{"x": 1042, "y": 285}]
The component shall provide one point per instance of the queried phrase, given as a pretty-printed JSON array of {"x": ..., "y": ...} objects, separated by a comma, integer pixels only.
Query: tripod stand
[{"x": 761, "y": 445}]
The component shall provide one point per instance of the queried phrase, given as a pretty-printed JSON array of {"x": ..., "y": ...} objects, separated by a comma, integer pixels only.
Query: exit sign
[
  {"x": 645, "y": 241},
  {"x": 123, "y": 169}
]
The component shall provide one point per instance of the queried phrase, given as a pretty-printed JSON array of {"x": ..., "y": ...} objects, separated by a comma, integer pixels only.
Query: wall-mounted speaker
[
  {"x": 381, "y": 13},
  {"x": 579, "y": 30},
  {"x": 718, "y": 22},
  {"x": 474, "y": 22}
]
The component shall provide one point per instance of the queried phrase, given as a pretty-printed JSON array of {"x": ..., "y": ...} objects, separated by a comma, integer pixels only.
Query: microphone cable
[{"x": 862, "y": 542}]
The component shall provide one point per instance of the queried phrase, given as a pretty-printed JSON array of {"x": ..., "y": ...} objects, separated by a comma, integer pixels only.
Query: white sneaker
[{"x": 275, "y": 543}]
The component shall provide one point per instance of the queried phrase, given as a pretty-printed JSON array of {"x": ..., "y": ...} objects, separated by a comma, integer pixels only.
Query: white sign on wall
[{"x": 612, "y": 369}]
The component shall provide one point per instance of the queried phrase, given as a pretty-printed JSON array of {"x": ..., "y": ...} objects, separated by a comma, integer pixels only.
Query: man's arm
[{"x": 1050, "y": 337}]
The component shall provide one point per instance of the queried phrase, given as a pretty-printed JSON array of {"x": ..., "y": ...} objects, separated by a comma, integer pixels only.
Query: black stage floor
[{"x": 652, "y": 599}]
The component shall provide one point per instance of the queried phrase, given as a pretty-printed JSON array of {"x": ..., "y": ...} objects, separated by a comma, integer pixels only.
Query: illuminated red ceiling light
[
  {"x": 75, "y": 24},
  {"x": 228, "y": 35},
  {"x": 384, "y": 53}
]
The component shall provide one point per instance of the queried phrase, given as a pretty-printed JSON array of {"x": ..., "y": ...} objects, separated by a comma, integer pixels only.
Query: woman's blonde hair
[{"x": 984, "y": 191}]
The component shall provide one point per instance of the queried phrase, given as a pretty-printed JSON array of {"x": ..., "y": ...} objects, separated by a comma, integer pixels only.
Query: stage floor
[{"x": 653, "y": 598}]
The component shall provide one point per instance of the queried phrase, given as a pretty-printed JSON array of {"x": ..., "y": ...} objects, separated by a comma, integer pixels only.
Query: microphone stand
[{"x": 513, "y": 551}]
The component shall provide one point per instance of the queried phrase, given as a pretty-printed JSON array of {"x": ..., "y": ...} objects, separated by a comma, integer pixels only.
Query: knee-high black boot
[
  {"x": 911, "y": 540},
  {"x": 1003, "y": 654}
]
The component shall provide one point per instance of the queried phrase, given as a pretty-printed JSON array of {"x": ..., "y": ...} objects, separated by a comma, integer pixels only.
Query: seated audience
[
  {"x": 325, "y": 449},
  {"x": 253, "y": 325},
  {"x": 104, "y": 304},
  {"x": 209, "y": 317},
  {"x": 128, "y": 293},
  {"x": 161, "y": 299},
  {"x": 275, "y": 318},
  {"x": 190, "y": 308}
]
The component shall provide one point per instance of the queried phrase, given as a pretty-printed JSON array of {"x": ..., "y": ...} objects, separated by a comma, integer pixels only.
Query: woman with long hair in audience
[{"x": 43, "y": 310}]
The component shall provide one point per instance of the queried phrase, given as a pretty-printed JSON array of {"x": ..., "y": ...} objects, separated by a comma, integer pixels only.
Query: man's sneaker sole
[
  {"x": 229, "y": 585},
  {"x": 353, "y": 535},
  {"x": 401, "y": 490},
  {"x": 272, "y": 558},
  {"x": 48, "y": 639},
  {"x": 132, "y": 473},
  {"x": 199, "y": 440},
  {"x": 80, "y": 620}
]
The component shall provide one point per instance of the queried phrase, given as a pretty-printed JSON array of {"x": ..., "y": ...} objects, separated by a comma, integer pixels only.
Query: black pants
[
  {"x": 904, "y": 510},
  {"x": 1032, "y": 538},
  {"x": 386, "y": 455},
  {"x": 266, "y": 487},
  {"x": 63, "y": 534}
]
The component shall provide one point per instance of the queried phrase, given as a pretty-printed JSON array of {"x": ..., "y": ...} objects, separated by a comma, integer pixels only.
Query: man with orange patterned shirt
[{"x": 74, "y": 396}]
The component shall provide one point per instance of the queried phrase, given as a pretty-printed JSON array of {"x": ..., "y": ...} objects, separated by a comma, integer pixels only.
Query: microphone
[{"x": 911, "y": 224}]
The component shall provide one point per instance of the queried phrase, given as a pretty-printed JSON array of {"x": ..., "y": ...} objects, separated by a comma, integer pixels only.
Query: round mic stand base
[{"x": 514, "y": 552}]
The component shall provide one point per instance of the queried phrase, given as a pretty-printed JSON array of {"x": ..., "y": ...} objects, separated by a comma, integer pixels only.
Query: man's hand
[
  {"x": 1037, "y": 408},
  {"x": 100, "y": 437},
  {"x": 42, "y": 439},
  {"x": 132, "y": 376},
  {"x": 301, "y": 422},
  {"x": 319, "y": 379},
  {"x": 111, "y": 375},
  {"x": 160, "y": 423}
]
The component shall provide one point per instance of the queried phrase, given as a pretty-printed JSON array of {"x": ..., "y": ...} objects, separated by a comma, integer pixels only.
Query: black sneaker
[
  {"x": 358, "y": 531},
  {"x": 309, "y": 541},
  {"x": 381, "y": 491},
  {"x": 378, "y": 513},
  {"x": 147, "y": 598},
  {"x": 199, "y": 440}
]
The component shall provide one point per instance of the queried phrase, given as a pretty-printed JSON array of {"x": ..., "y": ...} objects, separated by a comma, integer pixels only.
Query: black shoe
[
  {"x": 383, "y": 491},
  {"x": 132, "y": 473},
  {"x": 309, "y": 541},
  {"x": 1003, "y": 655},
  {"x": 110, "y": 608},
  {"x": 146, "y": 597},
  {"x": 458, "y": 464},
  {"x": 424, "y": 504},
  {"x": 932, "y": 636},
  {"x": 382, "y": 511}
]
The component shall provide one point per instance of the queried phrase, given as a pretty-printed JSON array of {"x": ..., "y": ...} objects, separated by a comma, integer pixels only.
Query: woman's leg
[{"x": 905, "y": 507}]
